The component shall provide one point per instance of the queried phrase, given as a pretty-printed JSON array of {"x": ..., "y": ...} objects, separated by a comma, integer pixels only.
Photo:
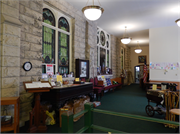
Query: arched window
[
  {"x": 63, "y": 46},
  {"x": 103, "y": 50},
  {"x": 55, "y": 41},
  {"x": 63, "y": 24},
  {"x": 48, "y": 38},
  {"x": 48, "y": 17}
]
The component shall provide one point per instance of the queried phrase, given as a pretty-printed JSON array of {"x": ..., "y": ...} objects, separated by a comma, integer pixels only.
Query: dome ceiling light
[
  {"x": 92, "y": 12},
  {"x": 126, "y": 39},
  {"x": 138, "y": 49},
  {"x": 178, "y": 22}
]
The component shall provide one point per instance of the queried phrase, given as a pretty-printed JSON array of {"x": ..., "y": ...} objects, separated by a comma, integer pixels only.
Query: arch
[
  {"x": 48, "y": 17},
  {"x": 63, "y": 24}
]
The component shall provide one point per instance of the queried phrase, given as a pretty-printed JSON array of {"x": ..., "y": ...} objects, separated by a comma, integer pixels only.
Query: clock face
[{"x": 27, "y": 66}]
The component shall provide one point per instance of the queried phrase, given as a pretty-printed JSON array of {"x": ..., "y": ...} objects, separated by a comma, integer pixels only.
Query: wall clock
[{"x": 27, "y": 66}]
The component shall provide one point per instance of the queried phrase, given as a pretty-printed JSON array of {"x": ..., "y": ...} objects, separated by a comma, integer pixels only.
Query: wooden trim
[{"x": 178, "y": 83}]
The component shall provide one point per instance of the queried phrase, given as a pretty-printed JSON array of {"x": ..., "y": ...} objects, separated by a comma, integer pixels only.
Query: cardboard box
[{"x": 65, "y": 109}]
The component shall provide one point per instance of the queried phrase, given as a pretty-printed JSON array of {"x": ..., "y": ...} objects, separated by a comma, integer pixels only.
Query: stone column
[
  {"x": 10, "y": 50},
  {"x": 10, "y": 46}
]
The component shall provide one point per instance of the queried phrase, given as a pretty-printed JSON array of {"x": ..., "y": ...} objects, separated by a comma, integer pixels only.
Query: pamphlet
[
  {"x": 154, "y": 87},
  {"x": 77, "y": 79},
  {"x": 59, "y": 78}
]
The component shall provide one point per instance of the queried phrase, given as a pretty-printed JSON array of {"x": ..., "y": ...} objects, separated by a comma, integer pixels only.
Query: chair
[
  {"x": 83, "y": 79},
  {"x": 98, "y": 90},
  {"x": 96, "y": 83}
]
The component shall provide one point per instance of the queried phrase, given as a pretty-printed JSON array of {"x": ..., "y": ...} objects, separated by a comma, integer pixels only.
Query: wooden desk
[
  {"x": 59, "y": 95},
  {"x": 38, "y": 115},
  {"x": 12, "y": 101}
]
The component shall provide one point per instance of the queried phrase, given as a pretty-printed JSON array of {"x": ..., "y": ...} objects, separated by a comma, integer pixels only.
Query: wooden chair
[
  {"x": 172, "y": 102},
  {"x": 98, "y": 90}
]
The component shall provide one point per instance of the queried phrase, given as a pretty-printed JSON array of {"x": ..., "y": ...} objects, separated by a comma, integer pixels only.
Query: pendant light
[
  {"x": 178, "y": 22},
  {"x": 126, "y": 39},
  {"x": 92, "y": 12},
  {"x": 138, "y": 49}
]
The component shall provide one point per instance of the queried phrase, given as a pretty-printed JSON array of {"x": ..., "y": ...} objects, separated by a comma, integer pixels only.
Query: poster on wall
[
  {"x": 164, "y": 65},
  {"x": 49, "y": 69},
  {"x": 83, "y": 69}
]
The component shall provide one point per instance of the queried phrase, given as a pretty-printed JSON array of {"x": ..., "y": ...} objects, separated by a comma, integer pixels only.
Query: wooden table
[
  {"x": 175, "y": 111},
  {"x": 37, "y": 115},
  {"x": 148, "y": 84},
  {"x": 59, "y": 95},
  {"x": 12, "y": 101}
]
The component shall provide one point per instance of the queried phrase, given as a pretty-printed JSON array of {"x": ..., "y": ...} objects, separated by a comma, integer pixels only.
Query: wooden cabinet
[
  {"x": 82, "y": 68},
  {"x": 12, "y": 101}
]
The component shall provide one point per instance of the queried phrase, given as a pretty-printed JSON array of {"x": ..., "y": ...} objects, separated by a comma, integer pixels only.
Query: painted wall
[
  {"x": 164, "y": 46},
  {"x": 134, "y": 58}
]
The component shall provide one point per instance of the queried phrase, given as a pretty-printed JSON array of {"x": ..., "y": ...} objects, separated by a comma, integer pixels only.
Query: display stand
[
  {"x": 12, "y": 101},
  {"x": 37, "y": 116}
]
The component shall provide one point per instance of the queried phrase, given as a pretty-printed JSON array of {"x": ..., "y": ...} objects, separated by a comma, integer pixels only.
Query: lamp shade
[
  {"x": 178, "y": 22},
  {"x": 138, "y": 50},
  {"x": 126, "y": 40},
  {"x": 92, "y": 12}
]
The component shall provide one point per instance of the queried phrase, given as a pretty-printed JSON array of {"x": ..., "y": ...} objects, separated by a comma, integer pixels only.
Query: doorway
[{"x": 136, "y": 74}]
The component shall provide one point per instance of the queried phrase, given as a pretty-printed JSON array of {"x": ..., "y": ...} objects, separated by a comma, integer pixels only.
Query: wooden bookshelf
[{"x": 12, "y": 101}]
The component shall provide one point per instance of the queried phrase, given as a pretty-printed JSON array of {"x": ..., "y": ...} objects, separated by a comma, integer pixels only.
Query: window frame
[
  {"x": 57, "y": 15},
  {"x": 99, "y": 45}
]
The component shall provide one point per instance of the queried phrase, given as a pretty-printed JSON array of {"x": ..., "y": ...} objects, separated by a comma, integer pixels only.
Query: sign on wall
[{"x": 164, "y": 65}]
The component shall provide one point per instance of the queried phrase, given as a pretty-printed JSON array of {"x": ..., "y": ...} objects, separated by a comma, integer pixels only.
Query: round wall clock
[{"x": 27, "y": 66}]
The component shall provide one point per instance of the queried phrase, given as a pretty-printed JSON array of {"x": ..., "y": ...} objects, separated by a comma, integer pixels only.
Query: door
[{"x": 136, "y": 74}]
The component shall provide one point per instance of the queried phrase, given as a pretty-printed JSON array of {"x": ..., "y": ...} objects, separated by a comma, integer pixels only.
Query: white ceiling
[{"x": 138, "y": 15}]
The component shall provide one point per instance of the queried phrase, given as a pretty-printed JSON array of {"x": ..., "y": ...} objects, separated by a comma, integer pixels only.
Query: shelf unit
[{"x": 12, "y": 101}]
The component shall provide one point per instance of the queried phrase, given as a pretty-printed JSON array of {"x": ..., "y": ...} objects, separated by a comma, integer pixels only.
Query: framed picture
[
  {"x": 82, "y": 68},
  {"x": 142, "y": 58}
]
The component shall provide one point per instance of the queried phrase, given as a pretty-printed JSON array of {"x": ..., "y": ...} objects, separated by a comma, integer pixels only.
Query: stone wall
[
  {"x": 10, "y": 48},
  {"x": 114, "y": 61},
  {"x": 116, "y": 58},
  {"x": 30, "y": 15},
  {"x": 21, "y": 41}
]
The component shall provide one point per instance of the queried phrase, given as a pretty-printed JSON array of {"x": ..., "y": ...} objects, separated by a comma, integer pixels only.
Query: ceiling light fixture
[
  {"x": 92, "y": 12},
  {"x": 126, "y": 39},
  {"x": 178, "y": 22},
  {"x": 138, "y": 49}
]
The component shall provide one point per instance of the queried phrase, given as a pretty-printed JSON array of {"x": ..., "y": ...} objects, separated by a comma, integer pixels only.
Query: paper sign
[
  {"x": 59, "y": 78},
  {"x": 49, "y": 69},
  {"x": 154, "y": 87},
  {"x": 77, "y": 79}
]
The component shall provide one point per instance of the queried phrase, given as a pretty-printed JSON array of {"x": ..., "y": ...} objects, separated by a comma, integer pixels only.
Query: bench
[{"x": 119, "y": 85}]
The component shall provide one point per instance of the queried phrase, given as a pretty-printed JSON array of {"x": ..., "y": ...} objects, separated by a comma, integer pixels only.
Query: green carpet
[{"x": 129, "y": 99}]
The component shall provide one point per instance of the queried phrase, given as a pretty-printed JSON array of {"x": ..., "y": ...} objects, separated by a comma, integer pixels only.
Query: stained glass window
[
  {"x": 63, "y": 24},
  {"x": 103, "y": 49},
  {"x": 107, "y": 58},
  {"x": 48, "y": 46},
  {"x": 102, "y": 38},
  {"x": 122, "y": 58},
  {"x": 50, "y": 41},
  {"x": 48, "y": 17},
  {"x": 102, "y": 59},
  {"x": 63, "y": 47}
]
